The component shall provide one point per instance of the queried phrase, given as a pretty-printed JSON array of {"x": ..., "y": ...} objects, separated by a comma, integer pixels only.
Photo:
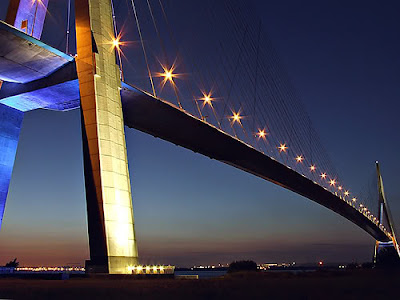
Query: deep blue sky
[{"x": 344, "y": 60}]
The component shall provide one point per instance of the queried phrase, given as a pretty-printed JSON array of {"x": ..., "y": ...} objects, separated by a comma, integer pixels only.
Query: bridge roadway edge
[{"x": 168, "y": 122}]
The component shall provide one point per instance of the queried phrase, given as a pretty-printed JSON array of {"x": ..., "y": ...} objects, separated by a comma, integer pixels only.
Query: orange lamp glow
[
  {"x": 282, "y": 148},
  {"x": 236, "y": 117},
  {"x": 261, "y": 133}
]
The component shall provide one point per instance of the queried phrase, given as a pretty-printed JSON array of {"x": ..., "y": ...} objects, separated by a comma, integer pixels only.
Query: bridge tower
[
  {"x": 108, "y": 192},
  {"x": 386, "y": 253}
]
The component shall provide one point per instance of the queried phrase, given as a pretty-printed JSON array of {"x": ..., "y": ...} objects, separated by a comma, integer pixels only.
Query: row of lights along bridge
[{"x": 168, "y": 76}]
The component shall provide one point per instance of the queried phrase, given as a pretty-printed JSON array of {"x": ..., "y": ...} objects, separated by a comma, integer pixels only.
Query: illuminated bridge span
[{"x": 229, "y": 99}]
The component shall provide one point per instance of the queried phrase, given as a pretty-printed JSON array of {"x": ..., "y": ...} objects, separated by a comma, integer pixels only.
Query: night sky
[{"x": 343, "y": 58}]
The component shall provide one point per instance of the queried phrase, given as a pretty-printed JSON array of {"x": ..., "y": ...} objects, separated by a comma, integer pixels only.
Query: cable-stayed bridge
[{"x": 221, "y": 92}]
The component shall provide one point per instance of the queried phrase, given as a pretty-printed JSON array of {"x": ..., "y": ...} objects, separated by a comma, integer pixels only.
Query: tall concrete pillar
[
  {"x": 10, "y": 126},
  {"x": 386, "y": 253},
  {"x": 19, "y": 14},
  {"x": 109, "y": 202}
]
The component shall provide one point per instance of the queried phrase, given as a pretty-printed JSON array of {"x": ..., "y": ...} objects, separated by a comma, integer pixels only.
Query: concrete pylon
[
  {"x": 108, "y": 194},
  {"x": 19, "y": 14},
  {"x": 386, "y": 253},
  {"x": 10, "y": 126},
  {"x": 109, "y": 202},
  {"x": 27, "y": 15}
]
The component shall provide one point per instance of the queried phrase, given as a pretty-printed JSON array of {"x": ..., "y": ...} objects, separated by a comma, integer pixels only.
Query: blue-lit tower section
[
  {"x": 28, "y": 15},
  {"x": 10, "y": 127}
]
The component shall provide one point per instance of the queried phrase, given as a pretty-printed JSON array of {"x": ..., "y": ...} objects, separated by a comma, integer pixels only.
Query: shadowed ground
[{"x": 367, "y": 284}]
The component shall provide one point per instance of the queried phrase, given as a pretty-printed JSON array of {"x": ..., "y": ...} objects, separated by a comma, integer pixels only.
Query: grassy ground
[{"x": 369, "y": 284}]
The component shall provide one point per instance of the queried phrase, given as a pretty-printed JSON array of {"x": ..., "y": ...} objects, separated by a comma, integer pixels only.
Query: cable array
[{"x": 214, "y": 60}]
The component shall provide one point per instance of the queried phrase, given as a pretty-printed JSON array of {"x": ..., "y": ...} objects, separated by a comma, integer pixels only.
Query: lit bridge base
[{"x": 386, "y": 255}]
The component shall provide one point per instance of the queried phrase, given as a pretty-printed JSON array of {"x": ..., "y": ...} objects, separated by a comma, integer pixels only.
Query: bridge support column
[
  {"x": 27, "y": 15},
  {"x": 386, "y": 254},
  {"x": 109, "y": 202},
  {"x": 10, "y": 126}
]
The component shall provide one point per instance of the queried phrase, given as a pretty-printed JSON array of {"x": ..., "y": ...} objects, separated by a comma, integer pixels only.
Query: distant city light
[
  {"x": 312, "y": 168},
  {"x": 332, "y": 182},
  {"x": 299, "y": 158},
  {"x": 50, "y": 269},
  {"x": 346, "y": 193},
  {"x": 323, "y": 175}
]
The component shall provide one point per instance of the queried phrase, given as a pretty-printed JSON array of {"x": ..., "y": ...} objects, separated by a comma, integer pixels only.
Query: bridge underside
[
  {"x": 58, "y": 89},
  {"x": 163, "y": 120}
]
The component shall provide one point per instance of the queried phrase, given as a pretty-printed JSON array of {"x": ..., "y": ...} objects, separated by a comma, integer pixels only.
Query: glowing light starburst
[
  {"x": 40, "y": 2},
  {"x": 346, "y": 193},
  {"x": 299, "y": 158},
  {"x": 313, "y": 168},
  {"x": 236, "y": 118},
  {"x": 332, "y": 182},
  {"x": 323, "y": 175},
  {"x": 116, "y": 42},
  {"x": 168, "y": 75},
  {"x": 207, "y": 99},
  {"x": 261, "y": 134},
  {"x": 282, "y": 148}
]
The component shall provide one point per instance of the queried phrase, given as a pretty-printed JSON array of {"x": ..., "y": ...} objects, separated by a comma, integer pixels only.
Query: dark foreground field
[{"x": 369, "y": 284}]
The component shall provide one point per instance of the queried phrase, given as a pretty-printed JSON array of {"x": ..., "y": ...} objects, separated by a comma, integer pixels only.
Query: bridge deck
[
  {"x": 24, "y": 58},
  {"x": 166, "y": 121}
]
